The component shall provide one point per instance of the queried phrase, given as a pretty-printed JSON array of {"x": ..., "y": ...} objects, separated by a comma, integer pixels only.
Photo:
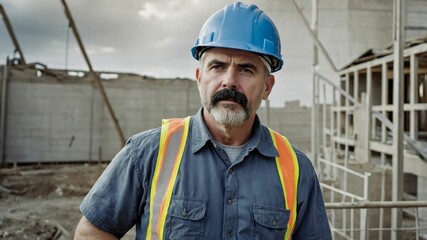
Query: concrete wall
[
  {"x": 61, "y": 120},
  {"x": 293, "y": 121}
]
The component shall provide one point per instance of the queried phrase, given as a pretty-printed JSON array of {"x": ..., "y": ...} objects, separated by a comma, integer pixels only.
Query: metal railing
[
  {"x": 349, "y": 233},
  {"x": 338, "y": 140},
  {"x": 330, "y": 169}
]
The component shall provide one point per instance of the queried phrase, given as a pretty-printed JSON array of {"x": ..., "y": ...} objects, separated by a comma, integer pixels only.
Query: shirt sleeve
[
  {"x": 312, "y": 221},
  {"x": 116, "y": 200}
]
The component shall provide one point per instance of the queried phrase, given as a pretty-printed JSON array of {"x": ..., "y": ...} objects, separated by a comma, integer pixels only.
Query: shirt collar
[{"x": 260, "y": 138}]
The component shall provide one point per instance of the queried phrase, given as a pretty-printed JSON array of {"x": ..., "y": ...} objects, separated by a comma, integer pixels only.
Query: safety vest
[{"x": 173, "y": 139}]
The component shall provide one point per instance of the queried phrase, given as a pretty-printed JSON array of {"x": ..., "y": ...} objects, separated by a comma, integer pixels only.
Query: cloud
[
  {"x": 170, "y": 9},
  {"x": 165, "y": 42},
  {"x": 106, "y": 49},
  {"x": 152, "y": 10}
]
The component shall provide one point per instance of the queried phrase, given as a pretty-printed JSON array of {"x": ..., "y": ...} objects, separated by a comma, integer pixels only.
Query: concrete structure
[
  {"x": 61, "y": 118},
  {"x": 293, "y": 121}
]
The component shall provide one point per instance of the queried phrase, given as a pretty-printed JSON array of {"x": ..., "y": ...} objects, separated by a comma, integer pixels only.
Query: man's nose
[{"x": 230, "y": 79}]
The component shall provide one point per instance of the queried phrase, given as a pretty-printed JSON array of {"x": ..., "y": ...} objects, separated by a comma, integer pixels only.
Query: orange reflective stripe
[
  {"x": 289, "y": 174},
  {"x": 171, "y": 183},
  {"x": 173, "y": 137}
]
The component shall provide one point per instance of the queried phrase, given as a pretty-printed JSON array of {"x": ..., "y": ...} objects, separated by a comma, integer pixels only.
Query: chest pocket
[
  {"x": 269, "y": 222},
  {"x": 186, "y": 218}
]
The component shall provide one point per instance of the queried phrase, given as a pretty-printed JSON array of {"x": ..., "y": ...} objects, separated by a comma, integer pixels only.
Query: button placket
[
  {"x": 230, "y": 204},
  {"x": 184, "y": 212}
]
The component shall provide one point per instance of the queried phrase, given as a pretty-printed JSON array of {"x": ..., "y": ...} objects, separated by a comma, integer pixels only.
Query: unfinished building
[{"x": 357, "y": 151}]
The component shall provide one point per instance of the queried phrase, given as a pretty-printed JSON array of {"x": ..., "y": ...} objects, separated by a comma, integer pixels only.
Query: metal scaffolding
[{"x": 376, "y": 118}]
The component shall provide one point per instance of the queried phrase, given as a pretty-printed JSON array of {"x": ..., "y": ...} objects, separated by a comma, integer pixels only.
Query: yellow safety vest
[{"x": 173, "y": 138}]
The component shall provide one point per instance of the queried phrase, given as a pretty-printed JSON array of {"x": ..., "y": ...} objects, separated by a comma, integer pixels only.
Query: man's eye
[
  {"x": 246, "y": 70},
  {"x": 217, "y": 66}
]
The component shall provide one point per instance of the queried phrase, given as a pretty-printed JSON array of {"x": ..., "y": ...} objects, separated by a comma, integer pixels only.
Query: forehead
[{"x": 227, "y": 54}]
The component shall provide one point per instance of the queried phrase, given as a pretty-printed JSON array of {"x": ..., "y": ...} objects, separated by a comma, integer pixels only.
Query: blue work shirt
[{"x": 222, "y": 200}]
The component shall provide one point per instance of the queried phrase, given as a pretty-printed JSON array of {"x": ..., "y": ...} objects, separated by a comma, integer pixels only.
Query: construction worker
[{"x": 219, "y": 174}]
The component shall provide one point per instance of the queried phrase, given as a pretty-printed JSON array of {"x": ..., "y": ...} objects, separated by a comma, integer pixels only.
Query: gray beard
[{"x": 228, "y": 115}]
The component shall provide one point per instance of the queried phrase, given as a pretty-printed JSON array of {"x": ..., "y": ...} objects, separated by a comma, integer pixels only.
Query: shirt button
[
  {"x": 228, "y": 235},
  {"x": 184, "y": 213},
  {"x": 274, "y": 223},
  {"x": 230, "y": 201},
  {"x": 230, "y": 170}
]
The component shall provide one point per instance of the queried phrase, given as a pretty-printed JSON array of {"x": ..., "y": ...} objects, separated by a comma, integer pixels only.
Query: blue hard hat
[{"x": 243, "y": 27}]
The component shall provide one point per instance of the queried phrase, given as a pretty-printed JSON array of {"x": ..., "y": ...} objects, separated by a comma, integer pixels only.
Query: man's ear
[
  {"x": 198, "y": 75},
  {"x": 269, "y": 83}
]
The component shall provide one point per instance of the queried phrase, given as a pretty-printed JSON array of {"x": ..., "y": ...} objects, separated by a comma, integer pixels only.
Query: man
[{"x": 219, "y": 174}]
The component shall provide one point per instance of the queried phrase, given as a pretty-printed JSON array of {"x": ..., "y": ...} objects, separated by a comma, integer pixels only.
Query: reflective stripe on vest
[
  {"x": 288, "y": 169},
  {"x": 172, "y": 144},
  {"x": 173, "y": 138}
]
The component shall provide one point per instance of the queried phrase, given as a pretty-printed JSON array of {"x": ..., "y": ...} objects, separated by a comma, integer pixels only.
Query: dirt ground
[{"x": 42, "y": 201}]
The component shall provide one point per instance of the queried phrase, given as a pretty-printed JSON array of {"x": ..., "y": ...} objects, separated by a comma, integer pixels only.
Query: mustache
[{"x": 228, "y": 94}]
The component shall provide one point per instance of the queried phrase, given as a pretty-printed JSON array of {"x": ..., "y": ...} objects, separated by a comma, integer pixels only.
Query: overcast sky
[{"x": 146, "y": 37}]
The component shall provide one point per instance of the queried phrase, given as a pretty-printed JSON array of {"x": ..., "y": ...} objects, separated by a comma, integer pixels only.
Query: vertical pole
[
  {"x": 414, "y": 96},
  {"x": 384, "y": 102},
  {"x": 364, "y": 219},
  {"x": 314, "y": 125},
  {"x": 91, "y": 124},
  {"x": 417, "y": 223},
  {"x": 3, "y": 105},
  {"x": 398, "y": 77},
  {"x": 384, "y": 99},
  {"x": 318, "y": 125},
  {"x": 332, "y": 116},
  {"x": 333, "y": 170},
  {"x": 346, "y": 147},
  {"x": 382, "y": 198},
  {"x": 356, "y": 87},
  {"x": 324, "y": 118},
  {"x": 368, "y": 113},
  {"x": 346, "y": 125}
]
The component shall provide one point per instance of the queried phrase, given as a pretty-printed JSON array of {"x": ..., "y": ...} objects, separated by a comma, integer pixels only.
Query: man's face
[{"x": 232, "y": 84}]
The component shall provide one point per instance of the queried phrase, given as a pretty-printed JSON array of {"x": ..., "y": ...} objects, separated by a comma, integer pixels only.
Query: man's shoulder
[
  {"x": 147, "y": 137},
  {"x": 301, "y": 155},
  {"x": 306, "y": 167}
]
